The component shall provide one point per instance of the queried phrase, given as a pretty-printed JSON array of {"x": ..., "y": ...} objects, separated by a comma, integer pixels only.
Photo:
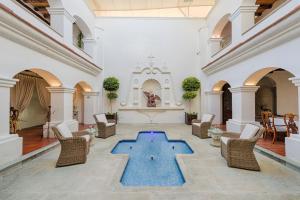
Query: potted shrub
[
  {"x": 190, "y": 85},
  {"x": 111, "y": 85}
]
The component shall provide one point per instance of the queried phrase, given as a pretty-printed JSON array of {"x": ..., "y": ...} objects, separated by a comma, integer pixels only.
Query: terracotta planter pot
[{"x": 189, "y": 118}]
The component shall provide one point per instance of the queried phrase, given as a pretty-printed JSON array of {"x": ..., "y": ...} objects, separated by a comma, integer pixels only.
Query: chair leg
[{"x": 274, "y": 137}]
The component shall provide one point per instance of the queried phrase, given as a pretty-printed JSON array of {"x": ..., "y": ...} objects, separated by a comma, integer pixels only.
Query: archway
[
  {"x": 223, "y": 31},
  {"x": 278, "y": 95},
  {"x": 31, "y": 107},
  {"x": 226, "y": 103},
  {"x": 79, "y": 101},
  {"x": 226, "y": 98},
  {"x": 81, "y": 31}
]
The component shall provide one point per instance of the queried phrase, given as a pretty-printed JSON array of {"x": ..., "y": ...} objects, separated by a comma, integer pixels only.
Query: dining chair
[{"x": 289, "y": 120}]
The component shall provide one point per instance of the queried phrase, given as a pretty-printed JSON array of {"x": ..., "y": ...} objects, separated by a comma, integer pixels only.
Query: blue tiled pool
[{"x": 152, "y": 160}]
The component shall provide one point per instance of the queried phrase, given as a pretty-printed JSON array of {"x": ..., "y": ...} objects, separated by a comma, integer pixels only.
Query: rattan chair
[
  {"x": 200, "y": 127},
  {"x": 74, "y": 146},
  {"x": 106, "y": 128},
  {"x": 238, "y": 149}
]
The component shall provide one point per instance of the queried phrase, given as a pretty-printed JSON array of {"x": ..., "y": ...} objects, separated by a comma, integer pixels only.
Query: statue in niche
[{"x": 151, "y": 98}]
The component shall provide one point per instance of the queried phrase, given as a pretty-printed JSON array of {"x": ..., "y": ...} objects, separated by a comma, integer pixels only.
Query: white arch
[
  {"x": 50, "y": 78},
  {"x": 219, "y": 85},
  {"x": 87, "y": 33},
  {"x": 217, "y": 31},
  {"x": 255, "y": 77},
  {"x": 85, "y": 86}
]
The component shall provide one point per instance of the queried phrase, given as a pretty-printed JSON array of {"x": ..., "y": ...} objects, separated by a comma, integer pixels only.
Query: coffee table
[{"x": 215, "y": 134}]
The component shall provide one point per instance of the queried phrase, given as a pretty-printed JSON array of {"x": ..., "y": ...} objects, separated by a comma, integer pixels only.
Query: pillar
[
  {"x": 10, "y": 144},
  {"x": 243, "y": 107},
  {"x": 62, "y": 23},
  {"x": 61, "y": 108},
  {"x": 296, "y": 82},
  {"x": 90, "y": 106},
  {"x": 214, "y": 105},
  {"x": 292, "y": 143},
  {"x": 242, "y": 20},
  {"x": 215, "y": 45}
]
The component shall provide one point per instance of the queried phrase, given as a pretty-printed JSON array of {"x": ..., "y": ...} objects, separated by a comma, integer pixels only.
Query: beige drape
[
  {"x": 43, "y": 93},
  {"x": 24, "y": 91}
]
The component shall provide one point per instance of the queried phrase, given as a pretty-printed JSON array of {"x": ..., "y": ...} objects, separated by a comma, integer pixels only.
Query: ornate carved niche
[{"x": 158, "y": 80}]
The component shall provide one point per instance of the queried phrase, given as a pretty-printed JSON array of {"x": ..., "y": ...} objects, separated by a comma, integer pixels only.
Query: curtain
[
  {"x": 24, "y": 91},
  {"x": 42, "y": 92}
]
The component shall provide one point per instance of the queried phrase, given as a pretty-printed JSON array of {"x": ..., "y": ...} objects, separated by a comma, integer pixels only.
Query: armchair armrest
[
  {"x": 80, "y": 133},
  {"x": 231, "y": 135},
  {"x": 196, "y": 121},
  {"x": 241, "y": 145},
  {"x": 111, "y": 121},
  {"x": 72, "y": 143}
]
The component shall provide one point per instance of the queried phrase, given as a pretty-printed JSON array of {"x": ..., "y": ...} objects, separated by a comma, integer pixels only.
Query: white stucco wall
[{"x": 128, "y": 42}]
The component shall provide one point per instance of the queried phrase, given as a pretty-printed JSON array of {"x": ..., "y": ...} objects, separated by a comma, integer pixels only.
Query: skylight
[{"x": 151, "y": 8}]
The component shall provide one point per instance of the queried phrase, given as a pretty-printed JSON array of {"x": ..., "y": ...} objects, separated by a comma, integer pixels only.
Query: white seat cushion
[
  {"x": 249, "y": 131},
  {"x": 110, "y": 124},
  {"x": 281, "y": 128},
  {"x": 86, "y": 137},
  {"x": 278, "y": 121},
  {"x": 225, "y": 139},
  {"x": 102, "y": 118},
  {"x": 206, "y": 118},
  {"x": 197, "y": 124},
  {"x": 64, "y": 130}
]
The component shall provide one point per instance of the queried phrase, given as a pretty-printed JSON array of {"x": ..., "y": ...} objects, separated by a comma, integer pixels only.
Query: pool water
[{"x": 152, "y": 160}]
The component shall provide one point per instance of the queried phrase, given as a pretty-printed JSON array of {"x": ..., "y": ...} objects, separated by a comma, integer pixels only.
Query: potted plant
[
  {"x": 190, "y": 85},
  {"x": 111, "y": 85}
]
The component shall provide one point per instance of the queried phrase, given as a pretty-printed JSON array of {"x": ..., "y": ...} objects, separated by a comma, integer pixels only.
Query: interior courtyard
[{"x": 153, "y": 99}]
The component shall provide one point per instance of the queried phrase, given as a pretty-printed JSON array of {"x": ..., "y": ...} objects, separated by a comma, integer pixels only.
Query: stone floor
[{"x": 206, "y": 173}]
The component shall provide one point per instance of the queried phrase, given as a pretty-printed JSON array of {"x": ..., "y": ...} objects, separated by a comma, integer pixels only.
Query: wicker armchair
[
  {"x": 238, "y": 149},
  {"x": 106, "y": 128},
  {"x": 200, "y": 127},
  {"x": 74, "y": 146}
]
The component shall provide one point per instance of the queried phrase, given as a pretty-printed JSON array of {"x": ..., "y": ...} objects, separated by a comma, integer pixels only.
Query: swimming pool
[{"x": 152, "y": 160}]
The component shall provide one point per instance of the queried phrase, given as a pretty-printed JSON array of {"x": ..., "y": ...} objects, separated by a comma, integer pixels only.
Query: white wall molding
[
  {"x": 90, "y": 93},
  {"x": 295, "y": 81},
  {"x": 214, "y": 92},
  {"x": 61, "y": 11},
  {"x": 7, "y": 82},
  {"x": 60, "y": 90},
  {"x": 31, "y": 37},
  {"x": 244, "y": 89},
  {"x": 282, "y": 31}
]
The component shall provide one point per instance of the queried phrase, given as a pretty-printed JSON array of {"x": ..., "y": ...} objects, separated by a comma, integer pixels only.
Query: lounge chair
[
  {"x": 200, "y": 127},
  {"x": 74, "y": 146},
  {"x": 238, "y": 149},
  {"x": 106, "y": 128}
]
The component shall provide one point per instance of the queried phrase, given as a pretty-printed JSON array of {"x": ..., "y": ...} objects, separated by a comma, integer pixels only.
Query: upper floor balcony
[{"x": 70, "y": 31}]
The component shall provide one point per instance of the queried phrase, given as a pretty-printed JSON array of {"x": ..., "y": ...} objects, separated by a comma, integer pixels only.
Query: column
[
  {"x": 90, "y": 106},
  {"x": 296, "y": 82},
  {"x": 243, "y": 107},
  {"x": 61, "y": 108},
  {"x": 89, "y": 45},
  {"x": 10, "y": 144},
  {"x": 214, "y": 105},
  {"x": 292, "y": 143},
  {"x": 215, "y": 45},
  {"x": 242, "y": 20},
  {"x": 62, "y": 23}
]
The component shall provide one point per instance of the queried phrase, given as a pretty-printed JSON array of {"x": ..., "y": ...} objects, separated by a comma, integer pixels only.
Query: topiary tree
[
  {"x": 190, "y": 85},
  {"x": 111, "y": 85}
]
